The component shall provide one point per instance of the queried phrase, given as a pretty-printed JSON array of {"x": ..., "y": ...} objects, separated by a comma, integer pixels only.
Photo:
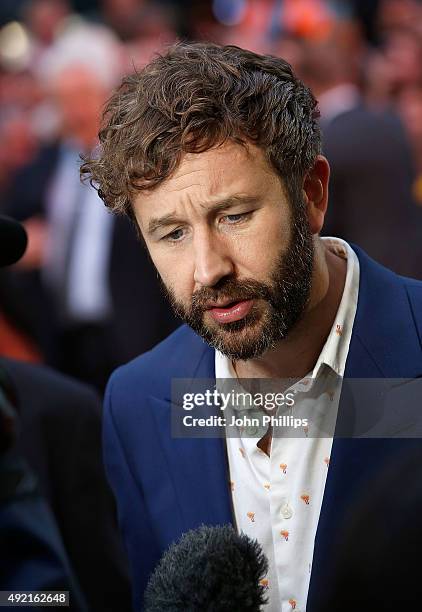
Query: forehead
[{"x": 210, "y": 176}]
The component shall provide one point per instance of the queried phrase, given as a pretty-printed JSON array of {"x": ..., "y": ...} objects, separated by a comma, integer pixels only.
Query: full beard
[{"x": 277, "y": 307}]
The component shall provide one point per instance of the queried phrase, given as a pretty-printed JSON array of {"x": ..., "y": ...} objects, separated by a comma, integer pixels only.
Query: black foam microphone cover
[{"x": 211, "y": 569}]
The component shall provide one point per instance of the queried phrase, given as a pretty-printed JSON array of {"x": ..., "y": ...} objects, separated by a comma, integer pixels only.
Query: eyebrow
[{"x": 173, "y": 219}]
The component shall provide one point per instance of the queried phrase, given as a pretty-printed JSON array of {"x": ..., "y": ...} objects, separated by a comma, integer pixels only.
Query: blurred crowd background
[{"x": 85, "y": 298}]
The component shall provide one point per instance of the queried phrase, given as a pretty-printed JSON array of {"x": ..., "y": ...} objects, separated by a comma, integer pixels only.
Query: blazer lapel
[
  {"x": 385, "y": 344},
  {"x": 198, "y": 481}
]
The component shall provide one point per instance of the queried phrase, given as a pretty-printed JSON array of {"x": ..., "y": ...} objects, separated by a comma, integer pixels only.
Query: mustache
[{"x": 229, "y": 290}]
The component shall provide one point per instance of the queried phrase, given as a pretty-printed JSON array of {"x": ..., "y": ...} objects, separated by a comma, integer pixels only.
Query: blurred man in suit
[
  {"x": 372, "y": 170},
  {"x": 60, "y": 438},
  {"x": 33, "y": 556},
  {"x": 53, "y": 425},
  {"x": 98, "y": 292}
]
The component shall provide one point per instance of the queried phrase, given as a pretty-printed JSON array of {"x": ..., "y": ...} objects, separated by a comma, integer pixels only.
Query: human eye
[
  {"x": 234, "y": 219},
  {"x": 174, "y": 236}
]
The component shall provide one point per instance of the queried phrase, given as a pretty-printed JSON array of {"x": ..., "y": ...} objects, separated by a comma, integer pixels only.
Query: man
[
  {"x": 215, "y": 152},
  {"x": 354, "y": 135},
  {"x": 59, "y": 512},
  {"x": 60, "y": 438},
  {"x": 88, "y": 310},
  {"x": 33, "y": 556}
]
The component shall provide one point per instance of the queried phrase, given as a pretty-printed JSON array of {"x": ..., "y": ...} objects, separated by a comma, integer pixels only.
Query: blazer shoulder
[
  {"x": 40, "y": 384},
  {"x": 175, "y": 356},
  {"x": 413, "y": 284},
  {"x": 414, "y": 291}
]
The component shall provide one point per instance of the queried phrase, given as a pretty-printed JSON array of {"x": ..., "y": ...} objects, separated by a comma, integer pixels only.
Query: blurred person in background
[
  {"x": 57, "y": 524},
  {"x": 393, "y": 14},
  {"x": 18, "y": 145},
  {"x": 94, "y": 311},
  {"x": 402, "y": 50},
  {"x": 372, "y": 173},
  {"x": 145, "y": 28},
  {"x": 395, "y": 66},
  {"x": 245, "y": 24},
  {"x": 59, "y": 436},
  {"x": 33, "y": 556},
  {"x": 129, "y": 18},
  {"x": 394, "y": 63},
  {"x": 410, "y": 109},
  {"x": 44, "y": 19}
]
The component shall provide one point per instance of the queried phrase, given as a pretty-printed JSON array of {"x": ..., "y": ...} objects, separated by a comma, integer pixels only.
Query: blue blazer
[{"x": 166, "y": 486}]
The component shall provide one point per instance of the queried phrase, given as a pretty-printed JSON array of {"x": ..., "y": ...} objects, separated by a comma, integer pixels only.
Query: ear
[{"x": 315, "y": 188}]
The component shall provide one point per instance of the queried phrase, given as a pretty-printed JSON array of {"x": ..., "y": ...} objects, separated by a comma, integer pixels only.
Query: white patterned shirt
[{"x": 277, "y": 499}]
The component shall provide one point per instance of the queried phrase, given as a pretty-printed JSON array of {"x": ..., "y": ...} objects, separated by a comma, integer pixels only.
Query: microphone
[
  {"x": 13, "y": 240},
  {"x": 210, "y": 569}
]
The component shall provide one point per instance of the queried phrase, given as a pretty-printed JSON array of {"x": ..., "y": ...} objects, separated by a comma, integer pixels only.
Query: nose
[{"x": 212, "y": 261}]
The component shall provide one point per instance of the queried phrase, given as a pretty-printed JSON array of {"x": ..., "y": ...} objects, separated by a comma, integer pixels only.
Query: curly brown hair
[{"x": 195, "y": 97}]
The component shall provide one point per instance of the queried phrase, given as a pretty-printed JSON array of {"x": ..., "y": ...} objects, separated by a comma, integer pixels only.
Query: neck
[{"x": 297, "y": 354}]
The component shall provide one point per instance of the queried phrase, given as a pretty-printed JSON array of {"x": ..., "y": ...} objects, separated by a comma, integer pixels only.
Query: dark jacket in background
[
  {"x": 32, "y": 557},
  {"x": 60, "y": 437},
  {"x": 370, "y": 194}
]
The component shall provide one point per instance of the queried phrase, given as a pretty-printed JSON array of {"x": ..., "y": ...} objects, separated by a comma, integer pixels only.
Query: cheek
[
  {"x": 176, "y": 272},
  {"x": 256, "y": 253}
]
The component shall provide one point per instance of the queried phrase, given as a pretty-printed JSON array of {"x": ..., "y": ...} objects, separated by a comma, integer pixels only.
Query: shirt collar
[
  {"x": 335, "y": 350},
  {"x": 336, "y": 347}
]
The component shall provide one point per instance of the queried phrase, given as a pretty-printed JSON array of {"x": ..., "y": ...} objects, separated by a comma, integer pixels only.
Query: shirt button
[
  {"x": 286, "y": 511},
  {"x": 251, "y": 431}
]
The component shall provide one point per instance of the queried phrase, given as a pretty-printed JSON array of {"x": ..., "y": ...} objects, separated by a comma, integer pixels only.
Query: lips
[
  {"x": 227, "y": 312},
  {"x": 223, "y": 304}
]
